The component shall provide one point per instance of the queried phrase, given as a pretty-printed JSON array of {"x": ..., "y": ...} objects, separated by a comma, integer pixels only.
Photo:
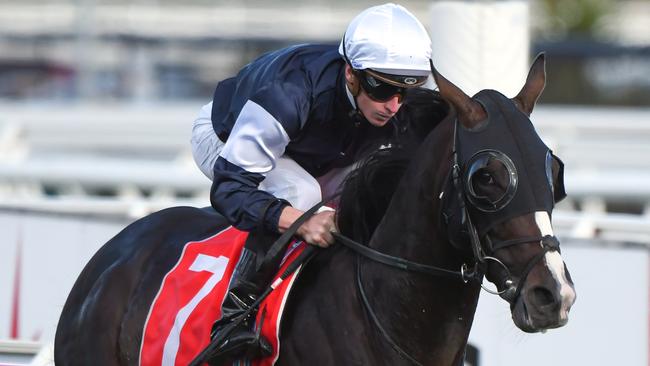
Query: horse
[{"x": 418, "y": 233}]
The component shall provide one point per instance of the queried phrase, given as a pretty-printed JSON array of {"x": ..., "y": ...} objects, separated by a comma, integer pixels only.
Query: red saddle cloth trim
[{"x": 190, "y": 296}]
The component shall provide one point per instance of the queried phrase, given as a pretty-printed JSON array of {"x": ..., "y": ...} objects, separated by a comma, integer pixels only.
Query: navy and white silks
[{"x": 288, "y": 110}]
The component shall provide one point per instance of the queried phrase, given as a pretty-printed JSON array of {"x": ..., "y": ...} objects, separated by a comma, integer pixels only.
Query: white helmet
[{"x": 388, "y": 39}]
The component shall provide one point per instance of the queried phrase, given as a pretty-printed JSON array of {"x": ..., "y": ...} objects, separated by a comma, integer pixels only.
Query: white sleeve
[{"x": 256, "y": 140}]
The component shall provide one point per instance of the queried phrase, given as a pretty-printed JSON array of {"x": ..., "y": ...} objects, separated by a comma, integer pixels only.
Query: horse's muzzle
[{"x": 546, "y": 298}]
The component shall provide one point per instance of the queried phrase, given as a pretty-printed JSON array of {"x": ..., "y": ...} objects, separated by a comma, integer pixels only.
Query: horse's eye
[{"x": 484, "y": 177}]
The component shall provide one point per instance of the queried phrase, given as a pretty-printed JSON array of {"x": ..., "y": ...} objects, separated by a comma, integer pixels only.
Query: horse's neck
[
  {"x": 431, "y": 316},
  {"x": 410, "y": 227}
]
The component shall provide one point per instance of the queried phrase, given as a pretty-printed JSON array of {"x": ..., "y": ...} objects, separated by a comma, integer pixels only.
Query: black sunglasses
[{"x": 378, "y": 90}]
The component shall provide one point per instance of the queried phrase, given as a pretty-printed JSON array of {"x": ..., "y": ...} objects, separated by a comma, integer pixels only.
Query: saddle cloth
[{"x": 190, "y": 296}]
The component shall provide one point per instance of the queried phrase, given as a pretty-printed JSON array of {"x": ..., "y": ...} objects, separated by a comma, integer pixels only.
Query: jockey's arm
[{"x": 256, "y": 141}]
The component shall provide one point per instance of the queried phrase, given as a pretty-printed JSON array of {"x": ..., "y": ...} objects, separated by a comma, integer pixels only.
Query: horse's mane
[{"x": 368, "y": 190}]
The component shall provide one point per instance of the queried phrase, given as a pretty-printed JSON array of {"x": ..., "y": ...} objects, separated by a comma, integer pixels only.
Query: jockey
[{"x": 285, "y": 131}]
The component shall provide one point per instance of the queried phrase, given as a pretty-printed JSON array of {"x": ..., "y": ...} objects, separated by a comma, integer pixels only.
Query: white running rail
[{"x": 134, "y": 157}]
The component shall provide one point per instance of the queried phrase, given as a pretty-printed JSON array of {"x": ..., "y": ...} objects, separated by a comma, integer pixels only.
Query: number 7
[{"x": 214, "y": 265}]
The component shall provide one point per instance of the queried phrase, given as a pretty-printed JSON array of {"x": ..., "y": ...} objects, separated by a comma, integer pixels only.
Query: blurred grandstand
[
  {"x": 133, "y": 159},
  {"x": 165, "y": 50}
]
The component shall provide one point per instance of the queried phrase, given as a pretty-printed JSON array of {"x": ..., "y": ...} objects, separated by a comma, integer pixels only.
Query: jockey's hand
[{"x": 317, "y": 230}]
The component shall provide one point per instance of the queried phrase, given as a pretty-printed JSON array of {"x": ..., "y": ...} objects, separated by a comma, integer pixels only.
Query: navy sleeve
[
  {"x": 260, "y": 135},
  {"x": 235, "y": 195}
]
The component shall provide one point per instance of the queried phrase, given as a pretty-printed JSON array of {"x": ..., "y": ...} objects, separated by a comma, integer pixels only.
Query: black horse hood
[{"x": 509, "y": 137}]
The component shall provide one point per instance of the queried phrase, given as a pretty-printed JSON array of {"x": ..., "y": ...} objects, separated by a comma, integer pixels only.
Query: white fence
[
  {"x": 606, "y": 150},
  {"x": 16, "y": 352},
  {"x": 86, "y": 151},
  {"x": 141, "y": 152},
  {"x": 135, "y": 159}
]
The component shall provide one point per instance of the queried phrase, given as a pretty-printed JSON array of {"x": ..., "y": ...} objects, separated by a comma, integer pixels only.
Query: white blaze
[
  {"x": 544, "y": 223},
  {"x": 555, "y": 265}
]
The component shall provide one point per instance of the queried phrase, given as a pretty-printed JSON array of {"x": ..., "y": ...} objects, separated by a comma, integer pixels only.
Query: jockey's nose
[{"x": 393, "y": 104}]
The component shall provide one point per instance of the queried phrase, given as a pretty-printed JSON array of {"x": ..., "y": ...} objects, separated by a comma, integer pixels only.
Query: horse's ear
[
  {"x": 534, "y": 86},
  {"x": 470, "y": 112}
]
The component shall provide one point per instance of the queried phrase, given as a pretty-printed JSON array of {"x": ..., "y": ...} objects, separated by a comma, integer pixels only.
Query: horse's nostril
[{"x": 542, "y": 296}]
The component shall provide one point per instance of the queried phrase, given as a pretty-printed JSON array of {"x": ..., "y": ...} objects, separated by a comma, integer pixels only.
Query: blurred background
[{"x": 97, "y": 98}]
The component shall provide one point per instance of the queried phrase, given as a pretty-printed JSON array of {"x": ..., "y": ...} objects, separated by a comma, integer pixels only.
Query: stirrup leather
[{"x": 241, "y": 340}]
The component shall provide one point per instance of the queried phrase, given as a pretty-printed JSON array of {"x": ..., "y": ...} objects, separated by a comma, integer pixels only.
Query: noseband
[{"x": 511, "y": 291}]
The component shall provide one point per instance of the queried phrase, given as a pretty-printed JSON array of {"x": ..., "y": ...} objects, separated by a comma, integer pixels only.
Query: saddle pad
[{"x": 189, "y": 301}]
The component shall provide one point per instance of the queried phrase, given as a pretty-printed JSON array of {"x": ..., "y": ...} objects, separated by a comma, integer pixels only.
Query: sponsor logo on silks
[{"x": 410, "y": 81}]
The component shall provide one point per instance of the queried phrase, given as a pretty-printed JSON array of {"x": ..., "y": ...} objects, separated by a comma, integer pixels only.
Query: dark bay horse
[{"x": 475, "y": 199}]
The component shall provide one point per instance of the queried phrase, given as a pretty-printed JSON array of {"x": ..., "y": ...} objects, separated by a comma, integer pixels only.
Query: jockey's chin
[{"x": 379, "y": 120}]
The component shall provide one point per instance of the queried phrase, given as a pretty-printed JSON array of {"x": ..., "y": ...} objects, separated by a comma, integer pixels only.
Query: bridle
[{"x": 510, "y": 289}]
